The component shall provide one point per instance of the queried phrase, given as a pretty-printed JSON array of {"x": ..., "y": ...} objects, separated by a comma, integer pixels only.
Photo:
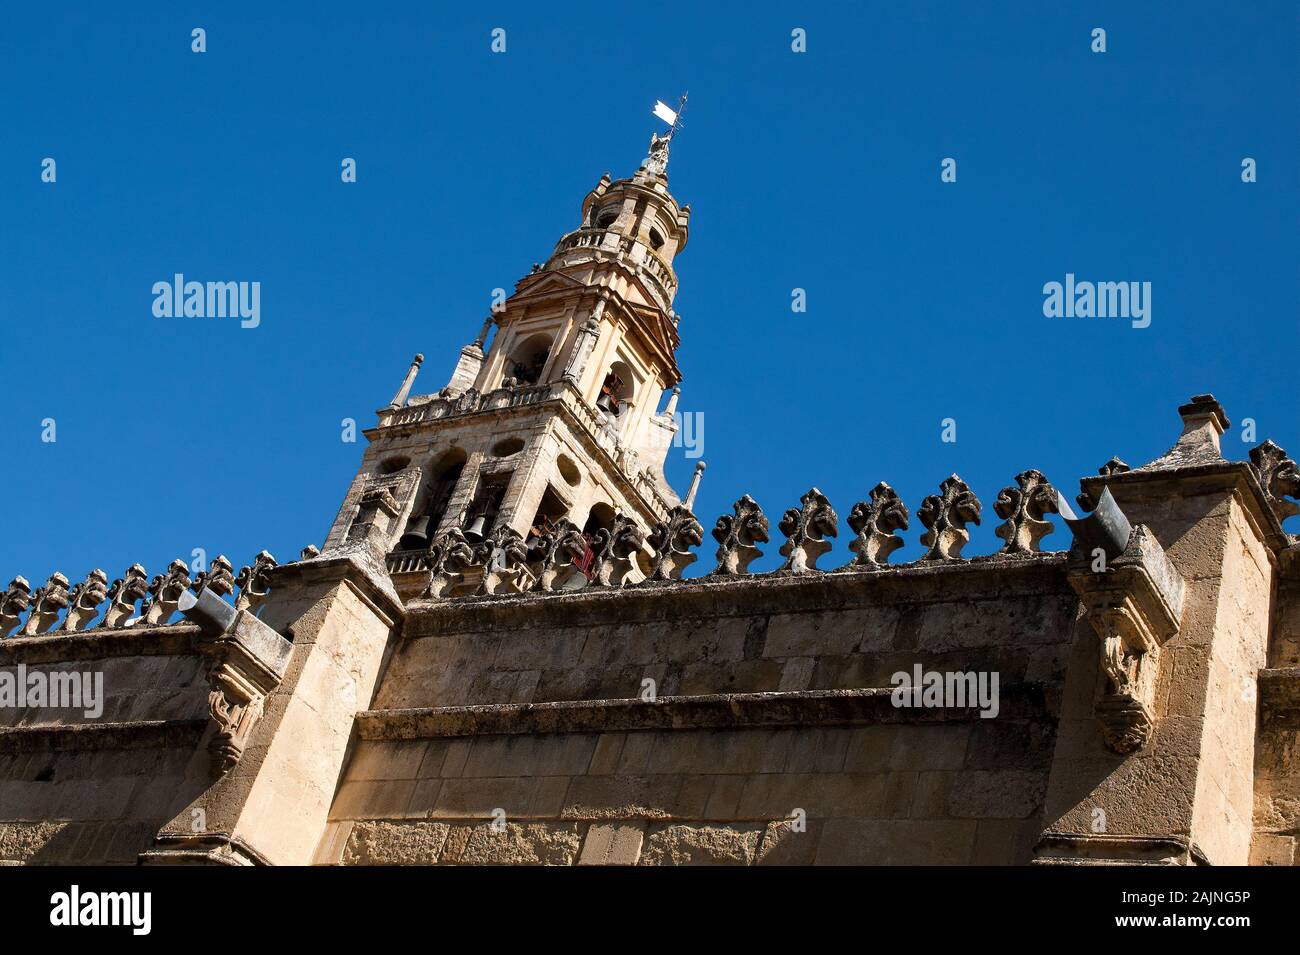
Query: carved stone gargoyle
[
  {"x": 615, "y": 549},
  {"x": 47, "y": 603},
  {"x": 806, "y": 528},
  {"x": 552, "y": 555},
  {"x": 672, "y": 540},
  {"x": 249, "y": 660},
  {"x": 1278, "y": 476},
  {"x": 737, "y": 534},
  {"x": 1133, "y": 596},
  {"x": 449, "y": 554},
  {"x": 875, "y": 522}
]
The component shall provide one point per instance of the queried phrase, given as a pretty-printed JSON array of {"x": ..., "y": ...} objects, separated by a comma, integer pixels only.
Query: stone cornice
[
  {"x": 982, "y": 578},
  {"x": 712, "y": 711},
  {"x": 98, "y": 644},
  {"x": 79, "y": 737}
]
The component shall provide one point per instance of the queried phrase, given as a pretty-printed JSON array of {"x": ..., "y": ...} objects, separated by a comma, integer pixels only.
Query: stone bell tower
[{"x": 561, "y": 416}]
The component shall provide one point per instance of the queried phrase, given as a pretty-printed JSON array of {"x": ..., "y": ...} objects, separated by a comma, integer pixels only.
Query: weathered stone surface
[
  {"x": 701, "y": 845},
  {"x": 395, "y": 843}
]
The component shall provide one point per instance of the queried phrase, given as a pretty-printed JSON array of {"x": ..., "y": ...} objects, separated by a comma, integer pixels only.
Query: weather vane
[{"x": 673, "y": 117}]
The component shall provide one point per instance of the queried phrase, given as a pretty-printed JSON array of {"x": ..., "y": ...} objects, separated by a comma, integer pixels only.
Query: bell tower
[{"x": 560, "y": 416}]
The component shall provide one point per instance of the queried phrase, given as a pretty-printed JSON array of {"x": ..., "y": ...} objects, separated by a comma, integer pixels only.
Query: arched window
[
  {"x": 616, "y": 390},
  {"x": 425, "y": 519},
  {"x": 528, "y": 359}
]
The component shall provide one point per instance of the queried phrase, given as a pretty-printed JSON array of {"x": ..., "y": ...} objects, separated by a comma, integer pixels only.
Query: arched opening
[
  {"x": 606, "y": 216},
  {"x": 481, "y": 515},
  {"x": 656, "y": 240},
  {"x": 600, "y": 516},
  {"x": 615, "y": 390},
  {"x": 394, "y": 464},
  {"x": 423, "y": 525},
  {"x": 528, "y": 359},
  {"x": 507, "y": 447}
]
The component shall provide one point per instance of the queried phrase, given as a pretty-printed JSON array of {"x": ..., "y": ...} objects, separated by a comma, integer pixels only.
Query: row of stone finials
[{"x": 562, "y": 557}]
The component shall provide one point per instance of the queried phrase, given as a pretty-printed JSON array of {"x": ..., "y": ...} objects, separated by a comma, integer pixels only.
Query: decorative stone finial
[
  {"x": 84, "y": 601},
  {"x": 695, "y": 485},
  {"x": 449, "y": 554},
  {"x": 1278, "y": 476},
  {"x": 1109, "y": 469},
  {"x": 875, "y": 523},
  {"x": 126, "y": 590},
  {"x": 219, "y": 577},
  {"x": 615, "y": 549},
  {"x": 737, "y": 534},
  {"x": 47, "y": 603},
  {"x": 806, "y": 528},
  {"x": 254, "y": 583},
  {"x": 165, "y": 593},
  {"x": 14, "y": 604},
  {"x": 1203, "y": 421},
  {"x": 672, "y": 540},
  {"x": 505, "y": 562},
  {"x": 945, "y": 516},
  {"x": 399, "y": 399},
  {"x": 308, "y": 552},
  {"x": 553, "y": 553},
  {"x": 1022, "y": 509}
]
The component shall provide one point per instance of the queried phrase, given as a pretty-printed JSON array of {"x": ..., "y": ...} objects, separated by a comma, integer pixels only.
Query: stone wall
[
  {"x": 75, "y": 789},
  {"x": 530, "y": 709}
]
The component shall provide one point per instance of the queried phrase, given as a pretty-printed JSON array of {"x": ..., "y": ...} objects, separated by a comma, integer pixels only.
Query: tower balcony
[{"x": 640, "y": 258}]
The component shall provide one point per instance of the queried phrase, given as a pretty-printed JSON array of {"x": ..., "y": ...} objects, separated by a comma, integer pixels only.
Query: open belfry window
[
  {"x": 529, "y": 360},
  {"x": 550, "y": 510},
  {"x": 423, "y": 524},
  {"x": 485, "y": 507},
  {"x": 610, "y": 400}
]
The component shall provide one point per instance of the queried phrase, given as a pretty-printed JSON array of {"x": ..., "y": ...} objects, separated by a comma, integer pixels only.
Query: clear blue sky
[{"x": 816, "y": 170}]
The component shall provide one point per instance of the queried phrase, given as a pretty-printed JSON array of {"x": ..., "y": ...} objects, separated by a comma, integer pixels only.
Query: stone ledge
[
  {"x": 714, "y": 711},
  {"x": 990, "y": 578},
  {"x": 144, "y": 734},
  {"x": 171, "y": 640}
]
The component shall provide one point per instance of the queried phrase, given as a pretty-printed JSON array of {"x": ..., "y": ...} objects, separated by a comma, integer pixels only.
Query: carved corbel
[
  {"x": 737, "y": 534},
  {"x": 553, "y": 555},
  {"x": 126, "y": 590},
  {"x": 672, "y": 540},
  {"x": 17, "y": 598},
  {"x": 615, "y": 552},
  {"x": 47, "y": 603},
  {"x": 249, "y": 660},
  {"x": 254, "y": 583},
  {"x": 165, "y": 593},
  {"x": 806, "y": 528},
  {"x": 1022, "y": 509},
  {"x": 875, "y": 523},
  {"x": 84, "y": 600},
  {"x": 1134, "y": 603},
  {"x": 945, "y": 516},
  {"x": 449, "y": 555}
]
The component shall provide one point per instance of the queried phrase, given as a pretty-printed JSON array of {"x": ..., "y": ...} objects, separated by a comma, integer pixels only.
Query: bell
[
  {"x": 416, "y": 536},
  {"x": 474, "y": 533}
]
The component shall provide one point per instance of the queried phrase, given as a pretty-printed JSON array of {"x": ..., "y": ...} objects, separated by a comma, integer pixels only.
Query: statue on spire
[{"x": 656, "y": 161}]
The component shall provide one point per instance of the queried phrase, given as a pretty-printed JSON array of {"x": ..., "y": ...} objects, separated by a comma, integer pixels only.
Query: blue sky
[{"x": 818, "y": 170}]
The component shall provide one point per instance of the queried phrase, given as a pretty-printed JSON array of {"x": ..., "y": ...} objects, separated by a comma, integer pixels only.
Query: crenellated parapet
[{"x": 132, "y": 600}]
